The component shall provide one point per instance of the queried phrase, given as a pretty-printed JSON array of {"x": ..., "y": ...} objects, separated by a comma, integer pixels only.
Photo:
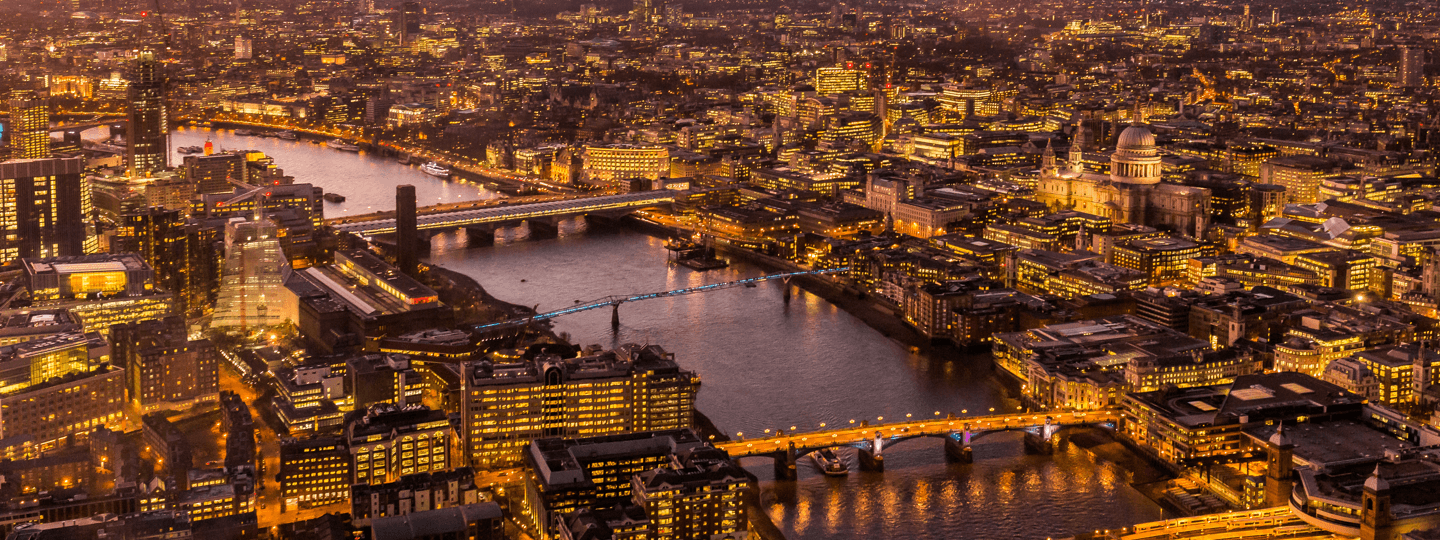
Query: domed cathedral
[{"x": 1131, "y": 193}]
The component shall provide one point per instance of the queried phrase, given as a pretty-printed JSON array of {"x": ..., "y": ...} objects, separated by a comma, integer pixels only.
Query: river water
[
  {"x": 367, "y": 182},
  {"x": 768, "y": 364},
  {"x": 765, "y": 364}
]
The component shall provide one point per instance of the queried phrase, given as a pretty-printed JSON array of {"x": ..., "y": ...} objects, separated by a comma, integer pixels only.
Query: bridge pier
[
  {"x": 958, "y": 451},
  {"x": 785, "y": 289},
  {"x": 1038, "y": 444},
  {"x": 785, "y": 464},
  {"x": 870, "y": 461},
  {"x": 542, "y": 228},
  {"x": 600, "y": 221},
  {"x": 873, "y": 460},
  {"x": 479, "y": 235},
  {"x": 615, "y": 316}
]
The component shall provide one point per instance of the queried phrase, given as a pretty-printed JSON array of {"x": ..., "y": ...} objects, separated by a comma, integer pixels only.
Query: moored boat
[
  {"x": 342, "y": 145},
  {"x": 435, "y": 169}
]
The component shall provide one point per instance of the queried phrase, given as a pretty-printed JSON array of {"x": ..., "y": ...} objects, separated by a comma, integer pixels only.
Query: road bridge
[
  {"x": 82, "y": 126},
  {"x": 785, "y": 448},
  {"x": 540, "y": 214}
]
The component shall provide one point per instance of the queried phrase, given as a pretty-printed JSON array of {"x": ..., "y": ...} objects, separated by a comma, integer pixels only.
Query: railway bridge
[{"x": 785, "y": 448}]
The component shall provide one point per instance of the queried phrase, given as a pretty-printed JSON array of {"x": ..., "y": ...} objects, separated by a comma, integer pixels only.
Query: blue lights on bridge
[{"x": 613, "y": 301}]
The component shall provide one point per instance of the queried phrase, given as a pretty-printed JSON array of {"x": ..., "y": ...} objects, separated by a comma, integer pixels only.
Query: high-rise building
[
  {"x": 166, "y": 370},
  {"x": 149, "y": 134},
  {"x": 243, "y": 47},
  {"x": 406, "y": 257},
  {"x": 633, "y": 388},
  {"x": 1412, "y": 67},
  {"x": 837, "y": 80},
  {"x": 213, "y": 173},
  {"x": 29, "y": 126},
  {"x": 409, "y": 22},
  {"x": 252, "y": 279},
  {"x": 158, "y": 236},
  {"x": 45, "y": 208}
]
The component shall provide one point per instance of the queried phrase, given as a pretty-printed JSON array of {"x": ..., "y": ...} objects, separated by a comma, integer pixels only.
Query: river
[
  {"x": 367, "y": 182},
  {"x": 766, "y": 364}
]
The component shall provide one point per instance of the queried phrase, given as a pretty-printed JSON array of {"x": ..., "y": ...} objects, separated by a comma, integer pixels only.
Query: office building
[
  {"x": 36, "y": 361},
  {"x": 1165, "y": 261},
  {"x": 387, "y": 442},
  {"x": 1300, "y": 175},
  {"x": 419, "y": 492},
  {"x": 359, "y": 300},
  {"x": 505, "y": 405},
  {"x": 167, "y": 370},
  {"x": 409, "y": 23},
  {"x": 1209, "y": 422},
  {"x": 158, "y": 236},
  {"x": 46, "y": 209},
  {"x": 73, "y": 404},
  {"x": 214, "y": 173},
  {"x": 314, "y": 472},
  {"x": 681, "y": 486},
  {"x": 29, "y": 125},
  {"x": 252, "y": 278},
  {"x": 1412, "y": 67},
  {"x": 621, "y": 165},
  {"x": 830, "y": 81},
  {"x": 148, "y": 135},
  {"x": 1400, "y": 374},
  {"x": 243, "y": 46},
  {"x": 98, "y": 290}
]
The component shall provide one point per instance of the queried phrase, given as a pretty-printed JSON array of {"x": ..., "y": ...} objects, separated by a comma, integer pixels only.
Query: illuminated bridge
[
  {"x": 614, "y": 302},
  {"x": 541, "y": 214},
  {"x": 871, "y": 440},
  {"x": 1264, "y": 524}
]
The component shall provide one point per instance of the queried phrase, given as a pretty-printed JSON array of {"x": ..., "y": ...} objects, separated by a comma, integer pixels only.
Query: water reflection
[
  {"x": 367, "y": 181},
  {"x": 766, "y": 364}
]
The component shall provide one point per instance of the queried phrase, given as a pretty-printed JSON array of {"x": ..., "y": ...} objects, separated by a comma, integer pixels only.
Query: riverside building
[{"x": 505, "y": 406}]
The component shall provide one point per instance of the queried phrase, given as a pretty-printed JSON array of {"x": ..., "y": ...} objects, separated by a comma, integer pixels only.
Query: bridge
[
  {"x": 871, "y": 440},
  {"x": 119, "y": 122},
  {"x": 614, "y": 302},
  {"x": 1268, "y": 523},
  {"x": 541, "y": 214}
]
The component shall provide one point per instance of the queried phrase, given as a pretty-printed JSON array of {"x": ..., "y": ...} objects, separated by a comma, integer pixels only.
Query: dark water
[
  {"x": 367, "y": 182},
  {"x": 768, "y": 364}
]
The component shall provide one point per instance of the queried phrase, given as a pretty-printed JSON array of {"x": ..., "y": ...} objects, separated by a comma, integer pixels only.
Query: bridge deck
[
  {"x": 499, "y": 214},
  {"x": 854, "y": 433}
]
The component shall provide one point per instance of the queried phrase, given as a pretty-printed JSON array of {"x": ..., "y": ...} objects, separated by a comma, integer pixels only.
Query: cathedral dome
[
  {"x": 1136, "y": 138},
  {"x": 1136, "y": 159}
]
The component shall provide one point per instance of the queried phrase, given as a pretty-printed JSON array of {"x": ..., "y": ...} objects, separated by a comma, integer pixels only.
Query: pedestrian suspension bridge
[{"x": 614, "y": 302}]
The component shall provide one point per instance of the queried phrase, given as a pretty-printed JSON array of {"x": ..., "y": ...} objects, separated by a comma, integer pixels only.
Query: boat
[
  {"x": 829, "y": 463},
  {"x": 342, "y": 145},
  {"x": 190, "y": 150},
  {"x": 333, "y": 197},
  {"x": 288, "y": 135},
  {"x": 435, "y": 169},
  {"x": 244, "y": 132}
]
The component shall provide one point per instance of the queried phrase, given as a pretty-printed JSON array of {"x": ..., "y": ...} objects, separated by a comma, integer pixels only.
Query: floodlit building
[{"x": 252, "y": 278}]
